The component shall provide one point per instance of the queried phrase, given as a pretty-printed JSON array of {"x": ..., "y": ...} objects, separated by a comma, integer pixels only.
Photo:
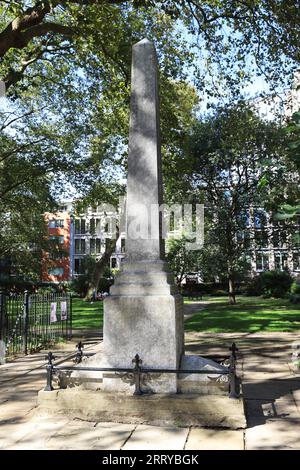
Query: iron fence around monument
[
  {"x": 29, "y": 322},
  {"x": 138, "y": 374}
]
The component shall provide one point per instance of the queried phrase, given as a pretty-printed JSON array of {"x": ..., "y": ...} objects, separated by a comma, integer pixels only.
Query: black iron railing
[
  {"x": 137, "y": 371},
  {"x": 31, "y": 321}
]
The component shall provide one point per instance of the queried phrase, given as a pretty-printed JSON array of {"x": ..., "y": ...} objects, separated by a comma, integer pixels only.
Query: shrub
[
  {"x": 270, "y": 284},
  {"x": 276, "y": 283},
  {"x": 295, "y": 298},
  {"x": 254, "y": 287},
  {"x": 295, "y": 287},
  {"x": 46, "y": 290},
  {"x": 80, "y": 285}
]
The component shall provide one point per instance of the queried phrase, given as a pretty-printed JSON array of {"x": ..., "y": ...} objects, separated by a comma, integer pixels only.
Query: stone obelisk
[{"x": 144, "y": 313}]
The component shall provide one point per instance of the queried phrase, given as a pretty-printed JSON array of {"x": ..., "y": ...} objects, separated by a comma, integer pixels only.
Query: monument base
[
  {"x": 143, "y": 315},
  {"x": 155, "y": 409}
]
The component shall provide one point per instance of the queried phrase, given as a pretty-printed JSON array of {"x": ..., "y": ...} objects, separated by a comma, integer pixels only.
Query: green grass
[
  {"x": 250, "y": 314},
  {"x": 87, "y": 315}
]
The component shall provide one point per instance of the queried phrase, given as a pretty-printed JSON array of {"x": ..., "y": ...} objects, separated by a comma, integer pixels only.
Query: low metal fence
[
  {"x": 137, "y": 373},
  {"x": 29, "y": 322}
]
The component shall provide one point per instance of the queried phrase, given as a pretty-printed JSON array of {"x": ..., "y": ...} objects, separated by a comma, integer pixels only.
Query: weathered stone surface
[
  {"x": 156, "y": 438},
  {"x": 156, "y": 409},
  {"x": 202, "y": 383},
  {"x": 259, "y": 411},
  {"x": 275, "y": 434},
  {"x": 34, "y": 434},
  {"x": 144, "y": 184},
  {"x": 215, "y": 439},
  {"x": 151, "y": 326},
  {"x": 85, "y": 435}
]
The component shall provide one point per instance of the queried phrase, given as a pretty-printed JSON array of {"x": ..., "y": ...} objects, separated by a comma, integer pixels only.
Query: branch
[
  {"x": 4, "y": 125},
  {"x": 21, "y": 147}
]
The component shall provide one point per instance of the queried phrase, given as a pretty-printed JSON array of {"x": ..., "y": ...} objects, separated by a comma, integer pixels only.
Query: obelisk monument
[{"x": 144, "y": 313}]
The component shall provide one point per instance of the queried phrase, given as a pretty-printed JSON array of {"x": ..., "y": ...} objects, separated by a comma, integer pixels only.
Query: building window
[
  {"x": 296, "y": 261},
  {"x": 244, "y": 219},
  {"x": 78, "y": 266},
  {"x": 55, "y": 256},
  {"x": 262, "y": 262},
  {"x": 79, "y": 246},
  {"x": 261, "y": 239},
  {"x": 59, "y": 223},
  {"x": 92, "y": 226},
  {"x": 281, "y": 261},
  {"x": 279, "y": 238},
  {"x": 80, "y": 226},
  {"x": 113, "y": 263},
  {"x": 98, "y": 245},
  {"x": 56, "y": 271},
  {"x": 95, "y": 246},
  {"x": 123, "y": 245},
  {"x": 260, "y": 219},
  {"x": 57, "y": 239}
]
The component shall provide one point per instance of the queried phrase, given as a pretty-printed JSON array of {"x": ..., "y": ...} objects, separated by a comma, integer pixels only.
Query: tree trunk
[
  {"x": 99, "y": 269},
  {"x": 231, "y": 288}
]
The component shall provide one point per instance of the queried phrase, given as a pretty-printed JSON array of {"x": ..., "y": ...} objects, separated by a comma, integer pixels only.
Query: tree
[
  {"x": 228, "y": 30},
  {"x": 235, "y": 160},
  {"x": 289, "y": 209},
  {"x": 181, "y": 260}
]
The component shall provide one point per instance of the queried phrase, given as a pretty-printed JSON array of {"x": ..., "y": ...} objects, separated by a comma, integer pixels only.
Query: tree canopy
[{"x": 234, "y": 162}]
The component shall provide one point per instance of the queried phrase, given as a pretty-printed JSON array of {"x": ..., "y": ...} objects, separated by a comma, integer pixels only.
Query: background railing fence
[{"x": 29, "y": 322}]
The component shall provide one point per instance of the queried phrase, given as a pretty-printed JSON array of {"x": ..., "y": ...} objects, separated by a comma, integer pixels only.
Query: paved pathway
[{"x": 271, "y": 390}]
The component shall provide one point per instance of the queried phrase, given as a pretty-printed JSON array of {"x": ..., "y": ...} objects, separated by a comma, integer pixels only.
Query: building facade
[
  {"x": 268, "y": 244},
  {"x": 56, "y": 266},
  {"x": 77, "y": 237}
]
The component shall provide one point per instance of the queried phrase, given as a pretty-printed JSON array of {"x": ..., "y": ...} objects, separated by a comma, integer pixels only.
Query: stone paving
[{"x": 271, "y": 391}]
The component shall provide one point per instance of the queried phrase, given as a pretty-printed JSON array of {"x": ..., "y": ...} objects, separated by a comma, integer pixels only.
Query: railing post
[
  {"x": 49, "y": 369},
  {"x": 79, "y": 353},
  {"x": 2, "y": 328},
  {"x": 233, "y": 392},
  {"x": 137, "y": 374},
  {"x": 26, "y": 322}
]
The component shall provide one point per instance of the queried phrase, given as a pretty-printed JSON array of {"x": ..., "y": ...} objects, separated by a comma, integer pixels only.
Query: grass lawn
[
  {"x": 87, "y": 315},
  {"x": 250, "y": 314}
]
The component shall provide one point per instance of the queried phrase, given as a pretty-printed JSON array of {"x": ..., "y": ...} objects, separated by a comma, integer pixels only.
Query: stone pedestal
[{"x": 144, "y": 316}]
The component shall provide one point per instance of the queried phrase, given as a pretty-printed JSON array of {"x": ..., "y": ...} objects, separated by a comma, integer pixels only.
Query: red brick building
[{"x": 56, "y": 266}]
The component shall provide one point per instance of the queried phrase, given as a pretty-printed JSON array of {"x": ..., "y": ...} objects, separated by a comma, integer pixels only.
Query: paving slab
[
  {"x": 86, "y": 436},
  {"x": 214, "y": 439},
  {"x": 32, "y": 434},
  {"x": 284, "y": 407},
  {"x": 279, "y": 434},
  {"x": 15, "y": 410},
  {"x": 156, "y": 438},
  {"x": 272, "y": 389}
]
